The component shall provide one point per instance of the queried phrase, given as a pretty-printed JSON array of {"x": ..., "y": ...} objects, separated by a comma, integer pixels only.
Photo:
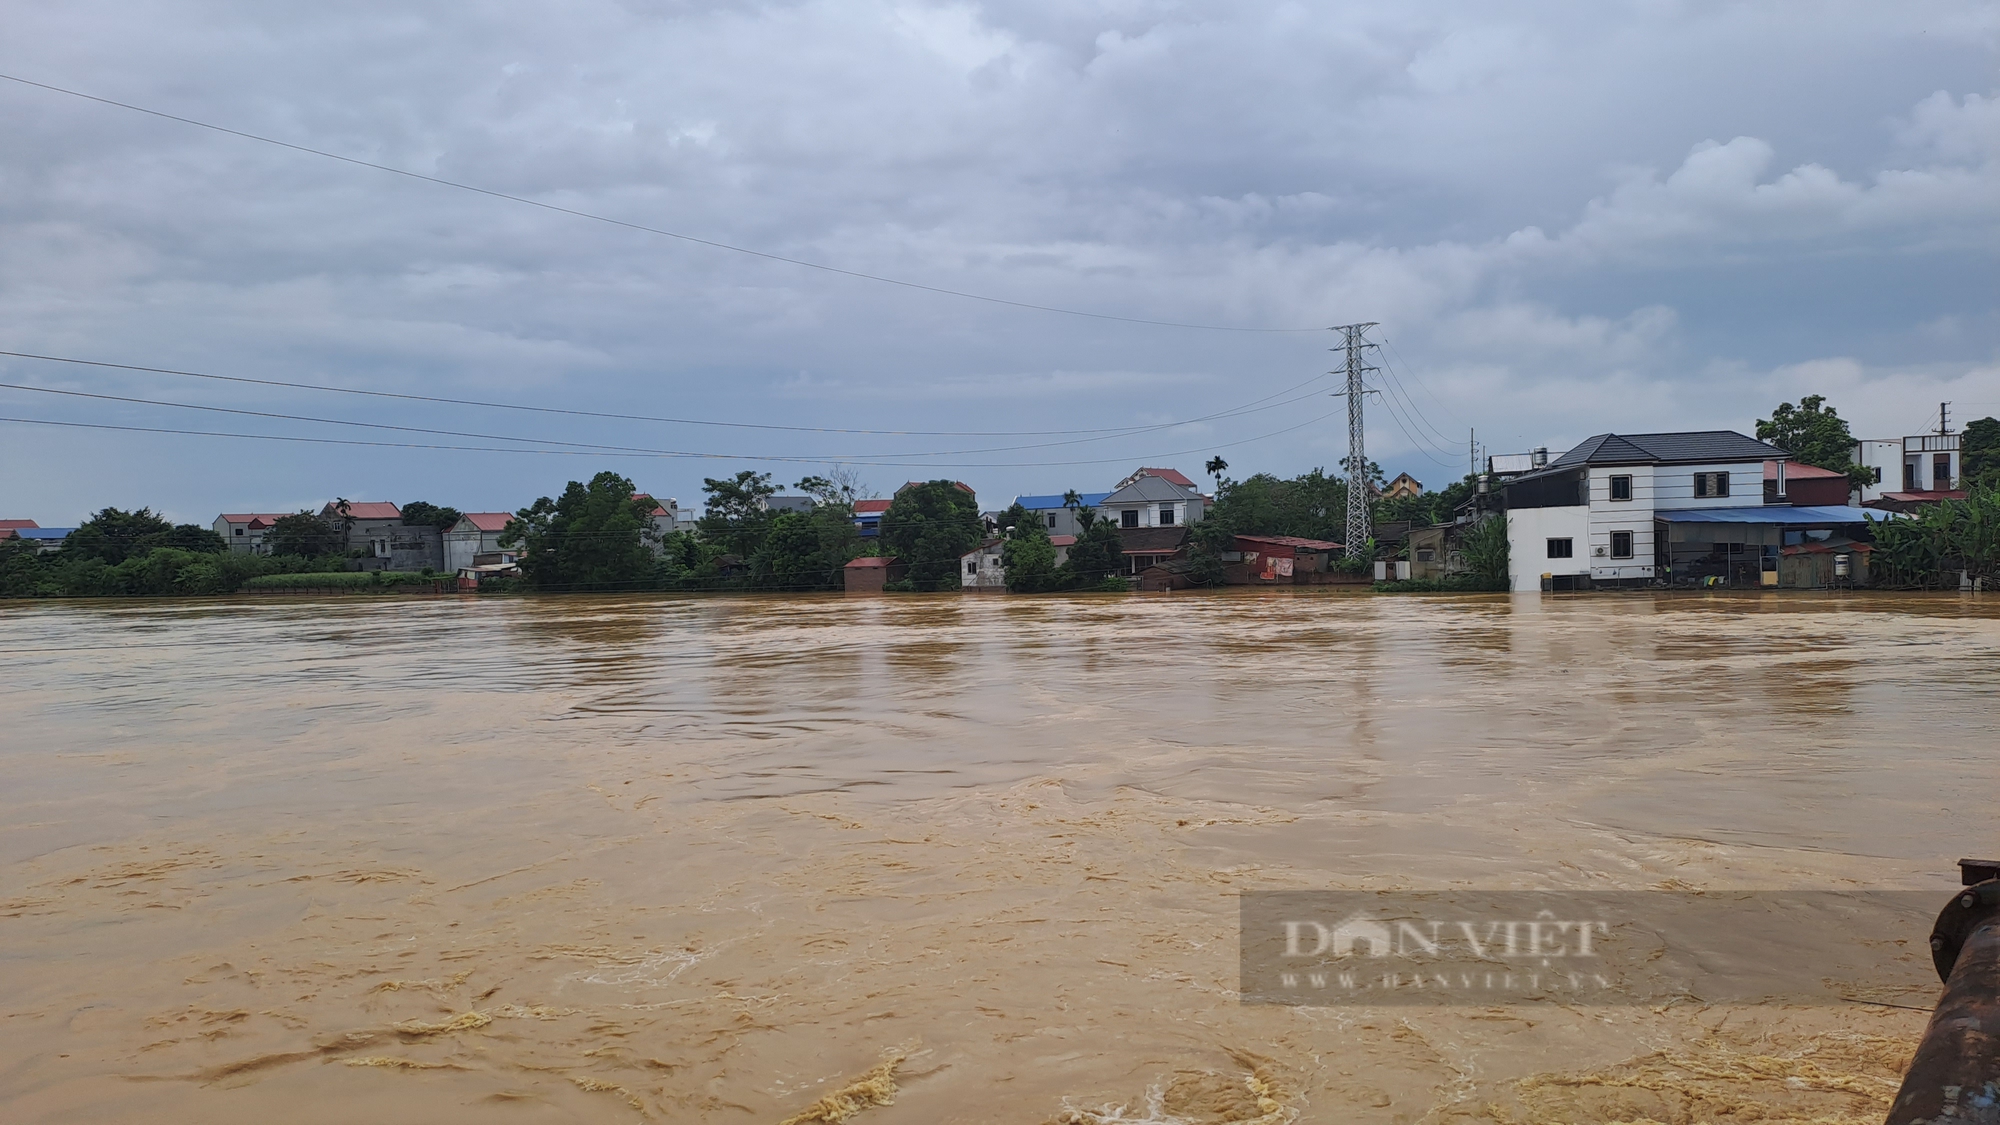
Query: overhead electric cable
[
  {"x": 705, "y": 456},
  {"x": 1112, "y": 430},
  {"x": 1420, "y": 381},
  {"x": 1390, "y": 402},
  {"x": 709, "y": 242},
  {"x": 1395, "y": 391},
  {"x": 853, "y": 458}
]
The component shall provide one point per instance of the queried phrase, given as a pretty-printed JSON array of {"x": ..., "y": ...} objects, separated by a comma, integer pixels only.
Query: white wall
[
  {"x": 1885, "y": 454},
  {"x": 1528, "y": 533}
]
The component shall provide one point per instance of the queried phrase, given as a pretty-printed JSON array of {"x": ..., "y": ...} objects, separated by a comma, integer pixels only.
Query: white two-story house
[{"x": 1619, "y": 508}]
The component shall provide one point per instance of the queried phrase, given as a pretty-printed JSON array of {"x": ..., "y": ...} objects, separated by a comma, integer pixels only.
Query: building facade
[
  {"x": 245, "y": 532},
  {"x": 475, "y": 540},
  {"x": 1916, "y": 464},
  {"x": 1152, "y": 499},
  {"x": 1590, "y": 514},
  {"x": 1058, "y": 518}
]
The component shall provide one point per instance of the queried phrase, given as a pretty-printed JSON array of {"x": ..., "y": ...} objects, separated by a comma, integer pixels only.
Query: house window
[
  {"x": 1561, "y": 548},
  {"x": 1909, "y": 476},
  {"x": 1128, "y": 518},
  {"x": 971, "y": 567},
  {"x": 1621, "y": 488},
  {"x": 239, "y": 531},
  {"x": 1941, "y": 472},
  {"x": 1052, "y": 519},
  {"x": 1426, "y": 555},
  {"x": 1166, "y": 515},
  {"x": 1711, "y": 484},
  {"x": 1621, "y": 544}
]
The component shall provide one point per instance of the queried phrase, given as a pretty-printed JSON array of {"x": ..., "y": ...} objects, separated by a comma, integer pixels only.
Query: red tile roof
[
  {"x": 874, "y": 563},
  {"x": 658, "y": 510},
  {"x": 489, "y": 521},
  {"x": 1795, "y": 470},
  {"x": 1063, "y": 540},
  {"x": 367, "y": 510},
  {"x": 9, "y": 525},
  {"x": 1171, "y": 476},
  {"x": 865, "y": 506}
]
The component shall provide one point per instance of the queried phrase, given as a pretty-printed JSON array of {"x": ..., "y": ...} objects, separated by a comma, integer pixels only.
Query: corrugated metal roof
[
  {"x": 246, "y": 517},
  {"x": 42, "y": 533},
  {"x": 1052, "y": 502},
  {"x": 1780, "y": 514},
  {"x": 1293, "y": 541}
]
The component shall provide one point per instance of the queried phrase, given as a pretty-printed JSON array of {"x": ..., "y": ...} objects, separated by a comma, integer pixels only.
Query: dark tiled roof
[
  {"x": 1152, "y": 540},
  {"x": 1691, "y": 447}
]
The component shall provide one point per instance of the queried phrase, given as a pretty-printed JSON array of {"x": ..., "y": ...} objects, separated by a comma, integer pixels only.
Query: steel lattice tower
[{"x": 1355, "y": 343}]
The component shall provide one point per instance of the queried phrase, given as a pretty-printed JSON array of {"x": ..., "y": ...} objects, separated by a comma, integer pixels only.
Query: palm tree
[{"x": 1216, "y": 467}]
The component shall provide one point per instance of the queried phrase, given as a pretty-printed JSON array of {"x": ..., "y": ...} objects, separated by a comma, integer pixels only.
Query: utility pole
[
  {"x": 1944, "y": 418},
  {"x": 1471, "y": 452},
  {"x": 1355, "y": 343}
]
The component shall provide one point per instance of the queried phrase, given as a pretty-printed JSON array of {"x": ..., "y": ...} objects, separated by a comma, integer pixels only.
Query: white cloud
[{"x": 1438, "y": 167}]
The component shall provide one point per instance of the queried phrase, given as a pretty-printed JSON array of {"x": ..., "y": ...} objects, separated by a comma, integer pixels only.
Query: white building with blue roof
[{"x": 1061, "y": 520}]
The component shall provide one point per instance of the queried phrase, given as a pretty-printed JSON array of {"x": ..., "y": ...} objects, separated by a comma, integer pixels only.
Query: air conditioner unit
[{"x": 1600, "y": 552}]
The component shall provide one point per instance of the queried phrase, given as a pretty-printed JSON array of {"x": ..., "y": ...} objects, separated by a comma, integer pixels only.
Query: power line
[
  {"x": 841, "y": 458},
  {"x": 1391, "y": 344},
  {"x": 1113, "y": 430},
  {"x": 663, "y": 454},
  {"x": 709, "y": 242}
]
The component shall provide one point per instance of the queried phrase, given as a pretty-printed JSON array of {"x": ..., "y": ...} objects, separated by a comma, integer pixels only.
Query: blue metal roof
[
  {"x": 1800, "y": 516},
  {"x": 43, "y": 532},
  {"x": 1050, "y": 503}
]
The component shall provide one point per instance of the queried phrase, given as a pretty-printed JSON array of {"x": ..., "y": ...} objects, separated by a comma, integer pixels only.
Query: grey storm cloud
[{"x": 1566, "y": 218}]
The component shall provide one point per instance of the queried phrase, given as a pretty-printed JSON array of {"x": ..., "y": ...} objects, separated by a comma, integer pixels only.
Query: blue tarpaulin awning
[{"x": 1783, "y": 515}]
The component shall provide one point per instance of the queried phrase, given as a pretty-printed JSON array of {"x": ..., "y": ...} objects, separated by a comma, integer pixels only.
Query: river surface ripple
[{"x": 712, "y": 859}]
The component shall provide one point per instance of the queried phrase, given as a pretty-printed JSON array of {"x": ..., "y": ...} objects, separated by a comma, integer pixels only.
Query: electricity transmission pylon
[{"x": 1355, "y": 343}]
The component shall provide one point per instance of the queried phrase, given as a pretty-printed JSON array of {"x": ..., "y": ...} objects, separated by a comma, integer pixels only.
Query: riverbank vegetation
[
  {"x": 119, "y": 553},
  {"x": 1935, "y": 545}
]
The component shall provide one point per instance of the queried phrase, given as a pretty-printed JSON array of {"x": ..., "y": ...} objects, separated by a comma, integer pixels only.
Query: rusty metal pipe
[{"x": 1955, "y": 1077}]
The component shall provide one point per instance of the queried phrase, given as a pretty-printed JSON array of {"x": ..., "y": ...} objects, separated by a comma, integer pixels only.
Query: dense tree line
[
  {"x": 598, "y": 536},
  {"x": 120, "y": 553}
]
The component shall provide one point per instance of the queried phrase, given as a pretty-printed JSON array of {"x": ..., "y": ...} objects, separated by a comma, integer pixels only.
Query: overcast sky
[{"x": 1568, "y": 218}]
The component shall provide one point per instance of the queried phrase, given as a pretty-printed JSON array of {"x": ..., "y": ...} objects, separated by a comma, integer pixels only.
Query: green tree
[
  {"x": 1484, "y": 546},
  {"x": 1028, "y": 555},
  {"x": 592, "y": 538},
  {"x": 418, "y": 513},
  {"x": 1097, "y": 554},
  {"x": 1429, "y": 508},
  {"x": 112, "y": 536},
  {"x": 303, "y": 534},
  {"x": 806, "y": 550},
  {"x": 736, "y": 515},
  {"x": 1812, "y": 432},
  {"x": 930, "y": 527},
  {"x": 1979, "y": 454}
]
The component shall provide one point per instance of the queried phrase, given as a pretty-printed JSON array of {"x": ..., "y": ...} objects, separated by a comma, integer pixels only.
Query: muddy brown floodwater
[{"x": 932, "y": 859}]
